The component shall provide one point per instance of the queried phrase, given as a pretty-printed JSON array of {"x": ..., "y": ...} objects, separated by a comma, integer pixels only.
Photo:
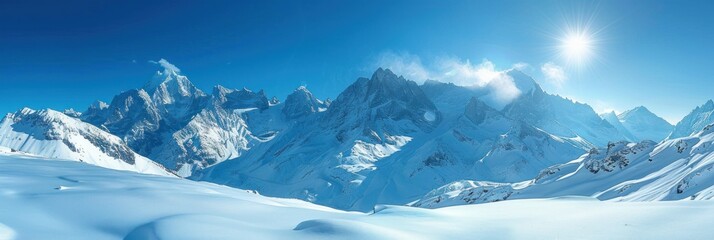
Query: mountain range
[{"x": 383, "y": 140}]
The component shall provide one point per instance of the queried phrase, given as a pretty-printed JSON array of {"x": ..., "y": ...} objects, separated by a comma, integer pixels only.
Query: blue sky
[{"x": 68, "y": 54}]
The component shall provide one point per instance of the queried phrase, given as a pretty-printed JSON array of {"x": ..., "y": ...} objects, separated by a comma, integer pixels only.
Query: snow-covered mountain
[
  {"x": 675, "y": 169},
  {"x": 386, "y": 140},
  {"x": 611, "y": 117},
  {"x": 324, "y": 156},
  {"x": 383, "y": 140},
  {"x": 52, "y": 134},
  {"x": 176, "y": 124},
  {"x": 560, "y": 116},
  {"x": 301, "y": 103},
  {"x": 639, "y": 124},
  {"x": 645, "y": 125},
  {"x": 700, "y": 117}
]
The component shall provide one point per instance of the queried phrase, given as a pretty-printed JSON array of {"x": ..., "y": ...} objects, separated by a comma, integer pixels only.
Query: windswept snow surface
[
  {"x": 676, "y": 169},
  {"x": 53, "y": 199}
]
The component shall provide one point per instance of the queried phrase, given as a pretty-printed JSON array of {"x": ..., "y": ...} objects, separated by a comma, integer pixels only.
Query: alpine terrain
[{"x": 383, "y": 140}]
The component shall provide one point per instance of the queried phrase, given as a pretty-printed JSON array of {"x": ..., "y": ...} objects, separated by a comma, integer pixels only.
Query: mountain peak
[
  {"x": 219, "y": 90},
  {"x": 302, "y": 88},
  {"x": 644, "y": 125},
  {"x": 168, "y": 67},
  {"x": 170, "y": 82},
  {"x": 526, "y": 84},
  {"x": 385, "y": 85},
  {"x": 99, "y": 105},
  {"x": 72, "y": 113},
  {"x": 274, "y": 101},
  {"x": 168, "y": 73},
  {"x": 238, "y": 99},
  {"x": 477, "y": 111},
  {"x": 381, "y": 72},
  {"x": 608, "y": 115},
  {"x": 389, "y": 97},
  {"x": 709, "y": 105},
  {"x": 384, "y": 75},
  {"x": 639, "y": 110},
  {"x": 430, "y": 82},
  {"x": 695, "y": 121},
  {"x": 302, "y": 103}
]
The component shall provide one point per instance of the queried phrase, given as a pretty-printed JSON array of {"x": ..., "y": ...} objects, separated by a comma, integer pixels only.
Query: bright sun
[{"x": 576, "y": 47}]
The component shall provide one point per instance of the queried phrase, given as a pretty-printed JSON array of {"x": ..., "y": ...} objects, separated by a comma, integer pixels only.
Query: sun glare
[
  {"x": 578, "y": 42},
  {"x": 576, "y": 47}
]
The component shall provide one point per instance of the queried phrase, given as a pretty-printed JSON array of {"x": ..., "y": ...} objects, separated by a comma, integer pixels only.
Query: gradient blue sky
[{"x": 67, "y": 54}]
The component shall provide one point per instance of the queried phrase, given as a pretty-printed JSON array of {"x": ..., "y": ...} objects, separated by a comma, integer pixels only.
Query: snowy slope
[
  {"x": 68, "y": 200},
  {"x": 672, "y": 170},
  {"x": 53, "y": 134}
]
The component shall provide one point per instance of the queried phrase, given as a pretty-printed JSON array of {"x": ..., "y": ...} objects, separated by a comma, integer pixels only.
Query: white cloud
[
  {"x": 464, "y": 73},
  {"x": 484, "y": 75},
  {"x": 404, "y": 64},
  {"x": 554, "y": 73},
  {"x": 167, "y": 65},
  {"x": 457, "y": 71},
  {"x": 521, "y": 66}
]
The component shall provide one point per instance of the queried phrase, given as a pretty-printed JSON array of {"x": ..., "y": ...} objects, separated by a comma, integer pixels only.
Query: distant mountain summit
[
  {"x": 695, "y": 121},
  {"x": 611, "y": 117},
  {"x": 639, "y": 124},
  {"x": 239, "y": 99},
  {"x": 645, "y": 125},
  {"x": 560, "y": 116},
  {"x": 302, "y": 103}
]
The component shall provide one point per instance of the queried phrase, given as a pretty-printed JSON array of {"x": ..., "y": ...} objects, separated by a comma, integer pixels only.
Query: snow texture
[{"x": 70, "y": 200}]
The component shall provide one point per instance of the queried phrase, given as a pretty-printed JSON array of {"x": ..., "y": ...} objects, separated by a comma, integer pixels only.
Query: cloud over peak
[
  {"x": 454, "y": 70},
  {"x": 168, "y": 67},
  {"x": 554, "y": 73}
]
